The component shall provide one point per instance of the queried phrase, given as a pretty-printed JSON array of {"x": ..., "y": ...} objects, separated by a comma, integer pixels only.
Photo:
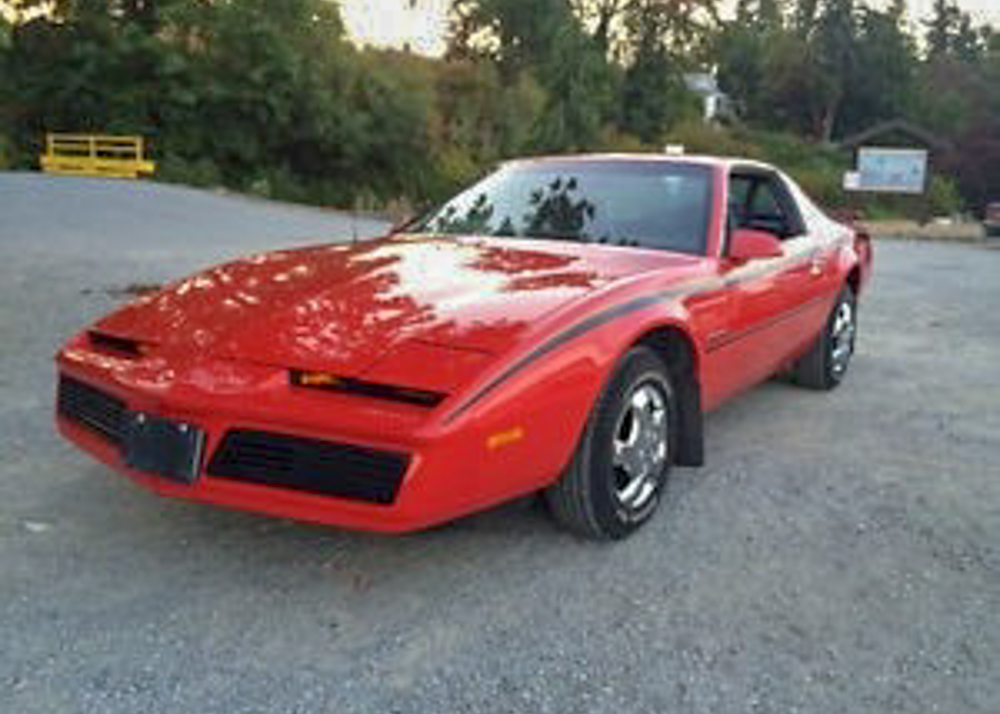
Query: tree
[
  {"x": 580, "y": 88},
  {"x": 959, "y": 96},
  {"x": 602, "y": 15},
  {"x": 545, "y": 40},
  {"x": 681, "y": 28},
  {"x": 478, "y": 121},
  {"x": 518, "y": 35},
  {"x": 741, "y": 47},
  {"x": 835, "y": 37},
  {"x": 307, "y": 115},
  {"x": 805, "y": 16},
  {"x": 882, "y": 84},
  {"x": 664, "y": 39}
]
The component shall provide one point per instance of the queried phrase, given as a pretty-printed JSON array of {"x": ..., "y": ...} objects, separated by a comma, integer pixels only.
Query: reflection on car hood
[{"x": 341, "y": 307}]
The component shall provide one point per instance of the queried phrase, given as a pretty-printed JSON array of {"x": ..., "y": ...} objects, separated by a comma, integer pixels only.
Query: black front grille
[
  {"x": 310, "y": 465},
  {"x": 94, "y": 409}
]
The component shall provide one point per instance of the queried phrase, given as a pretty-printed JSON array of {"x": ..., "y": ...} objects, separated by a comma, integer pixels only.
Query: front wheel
[
  {"x": 618, "y": 472},
  {"x": 825, "y": 365}
]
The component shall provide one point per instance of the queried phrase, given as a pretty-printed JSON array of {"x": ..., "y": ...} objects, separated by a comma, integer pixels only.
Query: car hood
[{"x": 342, "y": 307}]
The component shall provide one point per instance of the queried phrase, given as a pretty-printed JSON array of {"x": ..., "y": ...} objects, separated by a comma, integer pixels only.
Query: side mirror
[{"x": 750, "y": 244}]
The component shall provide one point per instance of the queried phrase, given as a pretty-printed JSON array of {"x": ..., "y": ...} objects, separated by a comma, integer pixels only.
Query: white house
[{"x": 716, "y": 104}]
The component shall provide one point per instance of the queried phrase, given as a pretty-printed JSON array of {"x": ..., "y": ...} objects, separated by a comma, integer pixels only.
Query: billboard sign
[{"x": 891, "y": 170}]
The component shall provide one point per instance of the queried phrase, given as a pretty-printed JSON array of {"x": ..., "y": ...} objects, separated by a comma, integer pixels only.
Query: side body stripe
[
  {"x": 690, "y": 289},
  {"x": 572, "y": 332}
]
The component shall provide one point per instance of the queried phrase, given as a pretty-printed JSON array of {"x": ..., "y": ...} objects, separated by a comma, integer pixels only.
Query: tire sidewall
[
  {"x": 832, "y": 377},
  {"x": 639, "y": 366}
]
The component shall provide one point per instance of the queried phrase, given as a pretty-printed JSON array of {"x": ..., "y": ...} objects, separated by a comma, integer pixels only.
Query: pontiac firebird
[{"x": 560, "y": 327}]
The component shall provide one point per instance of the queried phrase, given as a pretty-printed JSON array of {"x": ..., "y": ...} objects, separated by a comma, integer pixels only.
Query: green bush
[
  {"x": 943, "y": 196},
  {"x": 199, "y": 172},
  {"x": 619, "y": 142},
  {"x": 941, "y": 199},
  {"x": 455, "y": 167},
  {"x": 698, "y": 137},
  {"x": 788, "y": 150},
  {"x": 824, "y": 184},
  {"x": 6, "y": 153}
]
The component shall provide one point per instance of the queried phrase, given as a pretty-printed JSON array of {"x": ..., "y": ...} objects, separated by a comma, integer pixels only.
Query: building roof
[{"x": 895, "y": 126}]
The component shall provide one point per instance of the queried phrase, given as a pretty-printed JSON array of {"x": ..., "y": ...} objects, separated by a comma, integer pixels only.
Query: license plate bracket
[{"x": 167, "y": 448}]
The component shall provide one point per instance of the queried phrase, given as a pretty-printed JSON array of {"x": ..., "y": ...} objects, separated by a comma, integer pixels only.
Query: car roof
[{"x": 721, "y": 162}]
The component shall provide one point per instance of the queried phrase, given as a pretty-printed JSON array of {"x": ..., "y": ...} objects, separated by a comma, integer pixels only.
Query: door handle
[{"x": 817, "y": 264}]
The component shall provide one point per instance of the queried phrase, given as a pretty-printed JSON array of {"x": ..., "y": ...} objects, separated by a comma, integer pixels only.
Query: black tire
[
  {"x": 590, "y": 496},
  {"x": 824, "y": 366}
]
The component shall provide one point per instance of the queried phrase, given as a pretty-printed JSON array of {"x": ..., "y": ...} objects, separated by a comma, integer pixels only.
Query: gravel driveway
[{"x": 839, "y": 553}]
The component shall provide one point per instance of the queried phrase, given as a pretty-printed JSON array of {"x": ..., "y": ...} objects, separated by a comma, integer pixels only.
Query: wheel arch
[
  {"x": 677, "y": 349},
  {"x": 854, "y": 279}
]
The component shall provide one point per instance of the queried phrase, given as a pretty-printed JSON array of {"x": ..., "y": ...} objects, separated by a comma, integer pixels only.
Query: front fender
[{"x": 518, "y": 432}]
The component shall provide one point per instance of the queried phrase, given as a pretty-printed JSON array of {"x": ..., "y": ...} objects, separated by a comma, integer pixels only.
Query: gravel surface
[{"x": 839, "y": 553}]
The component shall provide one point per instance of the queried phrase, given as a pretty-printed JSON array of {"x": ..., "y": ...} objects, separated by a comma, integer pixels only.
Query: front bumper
[
  {"x": 227, "y": 399},
  {"x": 515, "y": 442}
]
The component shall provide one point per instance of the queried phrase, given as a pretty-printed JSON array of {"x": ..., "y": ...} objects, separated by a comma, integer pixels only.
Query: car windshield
[{"x": 652, "y": 204}]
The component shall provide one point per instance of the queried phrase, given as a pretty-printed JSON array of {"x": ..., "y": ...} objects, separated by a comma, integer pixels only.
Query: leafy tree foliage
[
  {"x": 546, "y": 39},
  {"x": 270, "y": 96},
  {"x": 959, "y": 96},
  {"x": 826, "y": 69}
]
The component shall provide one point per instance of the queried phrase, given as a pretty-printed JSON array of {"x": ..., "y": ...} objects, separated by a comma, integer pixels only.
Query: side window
[
  {"x": 739, "y": 192},
  {"x": 772, "y": 209},
  {"x": 757, "y": 199},
  {"x": 765, "y": 204}
]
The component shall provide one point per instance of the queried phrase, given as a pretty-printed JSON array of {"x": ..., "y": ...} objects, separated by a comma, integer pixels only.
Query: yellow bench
[{"x": 95, "y": 155}]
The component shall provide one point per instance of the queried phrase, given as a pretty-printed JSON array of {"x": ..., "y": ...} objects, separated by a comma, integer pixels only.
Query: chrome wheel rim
[
  {"x": 842, "y": 338},
  {"x": 640, "y": 446}
]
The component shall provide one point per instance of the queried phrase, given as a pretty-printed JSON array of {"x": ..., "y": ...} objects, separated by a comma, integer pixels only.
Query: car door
[{"x": 776, "y": 299}]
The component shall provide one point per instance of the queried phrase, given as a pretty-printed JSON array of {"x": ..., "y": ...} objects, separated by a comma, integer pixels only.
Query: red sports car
[{"x": 561, "y": 326}]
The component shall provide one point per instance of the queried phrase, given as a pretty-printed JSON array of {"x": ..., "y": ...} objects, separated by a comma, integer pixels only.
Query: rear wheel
[
  {"x": 826, "y": 363},
  {"x": 619, "y": 470}
]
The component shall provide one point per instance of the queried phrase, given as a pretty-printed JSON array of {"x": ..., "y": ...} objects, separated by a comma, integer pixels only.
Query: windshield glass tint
[{"x": 650, "y": 204}]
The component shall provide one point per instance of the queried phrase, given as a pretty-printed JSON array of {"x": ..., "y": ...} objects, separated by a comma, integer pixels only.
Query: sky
[{"x": 393, "y": 23}]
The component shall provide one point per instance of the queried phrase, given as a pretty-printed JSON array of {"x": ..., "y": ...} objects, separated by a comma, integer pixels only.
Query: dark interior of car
[{"x": 761, "y": 202}]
